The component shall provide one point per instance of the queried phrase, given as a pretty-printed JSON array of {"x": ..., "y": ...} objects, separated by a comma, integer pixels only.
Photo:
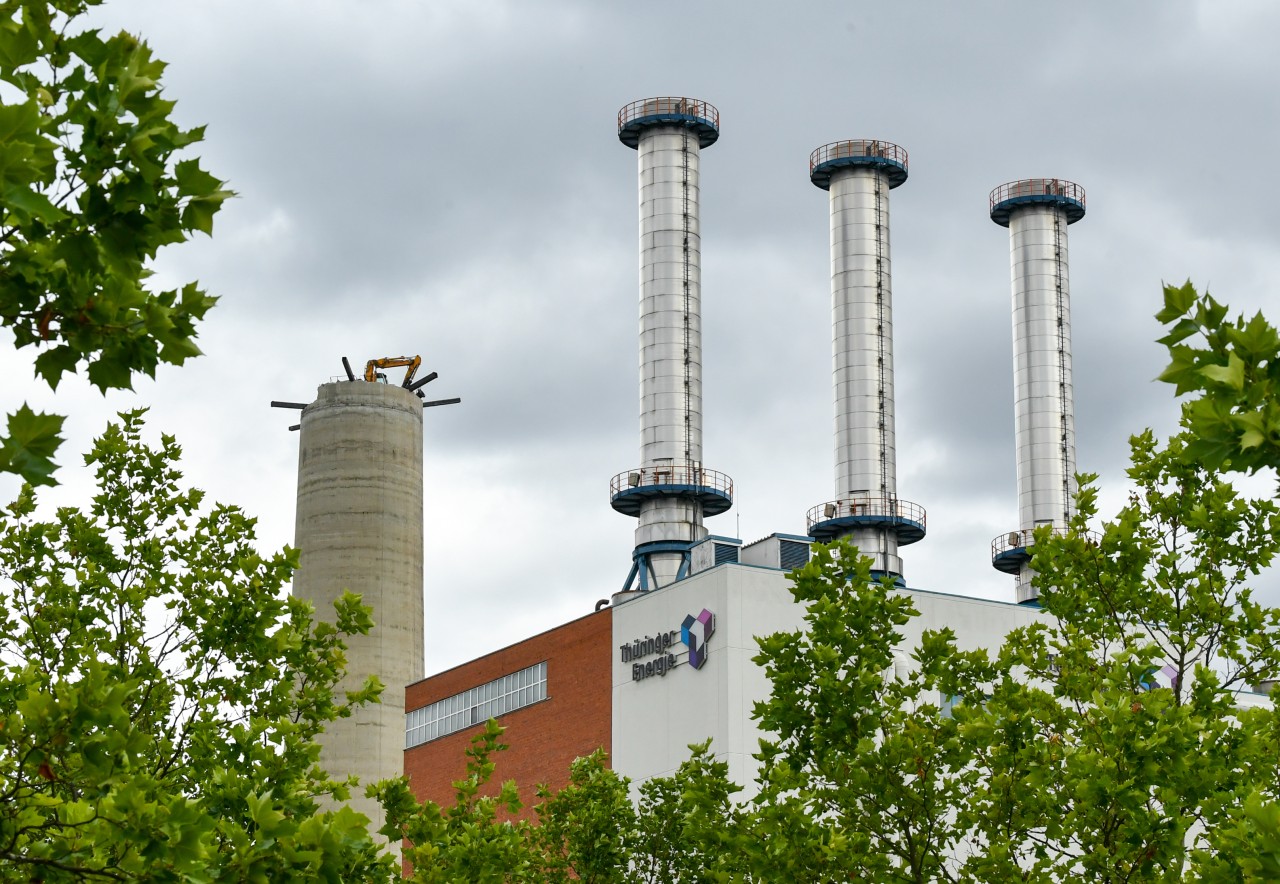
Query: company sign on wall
[{"x": 659, "y": 654}]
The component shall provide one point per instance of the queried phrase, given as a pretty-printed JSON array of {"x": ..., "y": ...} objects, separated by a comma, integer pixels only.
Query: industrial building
[{"x": 666, "y": 660}]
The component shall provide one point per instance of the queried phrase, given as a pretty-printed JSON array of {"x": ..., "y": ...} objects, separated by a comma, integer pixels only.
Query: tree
[
  {"x": 1140, "y": 751},
  {"x": 91, "y": 188},
  {"x": 588, "y": 831},
  {"x": 160, "y": 692},
  {"x": 1109, "y": 740},
  {"x": 864, "y": 774},
  {"x": 477, "y": 839},
  {"x": 1233, "y": 365}
]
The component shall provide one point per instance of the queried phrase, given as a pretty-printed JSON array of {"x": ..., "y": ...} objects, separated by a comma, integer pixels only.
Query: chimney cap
[
  {"x": 885, "y": 156},
  {"x": 700, "y": 117},
  {"x": 1058, "y": 192}
]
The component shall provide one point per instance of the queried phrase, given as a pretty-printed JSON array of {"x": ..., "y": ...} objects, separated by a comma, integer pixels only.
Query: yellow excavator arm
[{"x": 371, "y": 370}]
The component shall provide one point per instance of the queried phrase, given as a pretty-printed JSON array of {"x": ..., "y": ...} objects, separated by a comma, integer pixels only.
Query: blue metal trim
[
  {"x": 1010, "y": 561},
  {"x": 706, "y": 131},
  {"x": 663, "y": 546},
  {"x": 1072, "y": 208},
  {"x": 894, "y": 171},
  {"x": 713, "y": 500},
  {"x": 908, "y": 530},
  {"x": 898, "y": 582},
  {"x": 641, "y": 568}
]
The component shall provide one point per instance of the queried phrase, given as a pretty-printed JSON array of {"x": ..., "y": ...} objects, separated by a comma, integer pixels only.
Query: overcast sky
[{"x": 443, "y": 177}]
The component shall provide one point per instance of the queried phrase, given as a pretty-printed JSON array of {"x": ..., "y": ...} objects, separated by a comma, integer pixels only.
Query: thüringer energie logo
[{"x": 694, "y": 633}]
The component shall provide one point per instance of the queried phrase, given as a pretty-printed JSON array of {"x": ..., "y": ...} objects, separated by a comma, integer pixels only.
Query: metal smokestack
[
  {"x": 859, "y": 176},
  {"x": 670, "y": 491},
  {"x": 1037, "y": 212}
]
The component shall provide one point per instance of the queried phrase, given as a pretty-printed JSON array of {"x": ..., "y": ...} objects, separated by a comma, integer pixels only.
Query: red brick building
[{"x": 551, "y": 692}]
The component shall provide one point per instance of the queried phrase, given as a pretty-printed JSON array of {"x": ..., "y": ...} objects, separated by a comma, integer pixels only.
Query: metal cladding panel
[
  {"x": 862, "y": 332},
  {"x": 670, "y": 297},
  {"x": 1043, "y": 407},
  {"x": 703, "y": 557},
  {"x": 726, "y": 553},
  {"x": 670, "y": 332},
  {"x": 792, "y": 555},
  {"x": 881, "y": 546},
  {"x": 359, "y": 528},
  {"x": 669, "y": 519}
]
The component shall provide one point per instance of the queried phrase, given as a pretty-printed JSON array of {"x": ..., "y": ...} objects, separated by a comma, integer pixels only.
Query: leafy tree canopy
[
  {"x": 91, "y": 188},
  {"x": 1233, "y": 367},
  {"x": 1109, "y": 741},
  {"x": 161, "y": 693},
  {"x": 589, "y": 831}
]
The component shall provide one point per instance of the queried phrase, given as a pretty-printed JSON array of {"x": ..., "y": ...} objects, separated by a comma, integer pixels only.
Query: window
[{"x": 498, "y": 697}]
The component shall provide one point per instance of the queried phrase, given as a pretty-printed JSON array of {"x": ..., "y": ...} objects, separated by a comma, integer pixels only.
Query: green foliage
[
  {"x": 91, "y": 188},
  {"x": 686, "y": 829},
  {"x": 160, "y": 692},
  {"x": 1171, "y": 571},
  {"x": 476, "y": 839},
  {"x": 1065, "y": 755},
  {"x": 680, "y": 831},
  {"x": 1248, "y": 848},
  {"x": 1233, "y": 367},
  {"x": 28, "y": 447},
  {"x": 865, "y": 773},
  {"x": 1134, "y": 756},
  {"x": 584, "y": 830}
]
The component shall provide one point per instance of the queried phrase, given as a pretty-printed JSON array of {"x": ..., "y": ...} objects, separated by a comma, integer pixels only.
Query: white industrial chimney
[
  {"x": 670, "y": 491},
  {"x": 1037, "y": 212},
  {"x": 866, "y": 509}
]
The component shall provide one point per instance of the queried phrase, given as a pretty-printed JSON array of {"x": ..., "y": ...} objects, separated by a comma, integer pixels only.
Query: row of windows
[{"x": 502, "y": 695}]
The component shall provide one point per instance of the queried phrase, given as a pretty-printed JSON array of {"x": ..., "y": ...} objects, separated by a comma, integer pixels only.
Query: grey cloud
[{"x": 444, "y": 178}]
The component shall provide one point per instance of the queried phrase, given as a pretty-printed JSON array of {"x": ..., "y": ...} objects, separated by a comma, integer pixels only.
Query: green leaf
[
  {"x": 198, "y": 215},
  {"x": 199, "y": 211},
  {"x": 1230, "y": 375},
  {"x": 1252, "y": 429},
  {"x": 1177, "y": 302},
  {"x": 18, "y": 47},
  {"x": 54, "y": 363},
  {"x": 1258, "y": 338},
  {"x": 194, "y": 181},
  {"x": 26, "y": 155},
  {"x": 30, "y": 444},
  {"x": 108, "y": 373},
  {"x": 31, "y": 203},
  {"x": 1180, "y": 332}
]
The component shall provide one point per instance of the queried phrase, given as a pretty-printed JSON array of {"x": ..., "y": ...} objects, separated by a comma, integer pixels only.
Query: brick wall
[{"x": 574, "y": 720}]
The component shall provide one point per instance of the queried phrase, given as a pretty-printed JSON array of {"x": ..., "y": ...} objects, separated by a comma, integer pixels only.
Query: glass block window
[{"x": 477, "y": 705}]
